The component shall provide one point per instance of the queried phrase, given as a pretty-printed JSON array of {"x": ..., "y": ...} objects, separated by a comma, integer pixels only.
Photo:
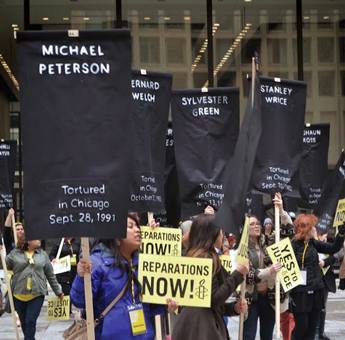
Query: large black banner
[
  {"x": 280, "y": 147},
  {"x": 76, "y": 120},
  {"x": 170, "y": 217},
  {"x": 151, "y": 99},
  {"x": 231, "y": 214},
  {"x": 314, "y": 164},
  {"x": 8, "y": 151},
  {"x": 333, "y": 190},
  {"x": 206, "y": 126}
]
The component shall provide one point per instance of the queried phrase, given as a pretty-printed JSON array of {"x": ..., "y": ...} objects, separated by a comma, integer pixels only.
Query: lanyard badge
[{"x": 136, "y": 316}]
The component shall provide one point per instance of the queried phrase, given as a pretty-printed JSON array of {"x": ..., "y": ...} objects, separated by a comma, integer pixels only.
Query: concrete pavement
[{"x": 52, "y": 330}]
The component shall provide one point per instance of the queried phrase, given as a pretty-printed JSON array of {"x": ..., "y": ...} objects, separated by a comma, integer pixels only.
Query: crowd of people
[{"x": 113, "y": 267}]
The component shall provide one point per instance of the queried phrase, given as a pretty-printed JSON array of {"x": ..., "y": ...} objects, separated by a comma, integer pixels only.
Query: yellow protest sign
[
  {"x": 62, "y": 265},
  {"x": 58, "y": 310},
  {"x": 161, "y": 241},
  {"x": 242, "y": 253},
  {"x": 290, "y": 275},
  {"x": 339, "y": 218},
  {"x": 188, "y": 280},
  {"x": 225, "y": 260}
]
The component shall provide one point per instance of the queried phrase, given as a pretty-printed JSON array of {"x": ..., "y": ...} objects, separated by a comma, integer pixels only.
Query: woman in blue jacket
[{"x": 115, "y": 265}]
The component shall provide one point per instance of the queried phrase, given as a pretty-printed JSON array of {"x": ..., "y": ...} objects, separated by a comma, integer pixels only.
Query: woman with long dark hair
[
  {"x": 115, "y": 266},
  {"x": 308, "y": 298},
  {"x": 208, "y": 323}
]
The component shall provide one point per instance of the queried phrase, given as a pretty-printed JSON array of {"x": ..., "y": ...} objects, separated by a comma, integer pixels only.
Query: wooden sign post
[
  {"x": 10, "y": 296},
  {"x": 88, "y": 291},
  {"x": 277, "y": 285}
]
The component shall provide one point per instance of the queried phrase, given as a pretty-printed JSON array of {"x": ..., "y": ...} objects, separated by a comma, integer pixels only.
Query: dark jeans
[
  {"x": 305, "y": 325},
  {"x": 263, "y": 310},
  {"x": 28, "y": 312}
]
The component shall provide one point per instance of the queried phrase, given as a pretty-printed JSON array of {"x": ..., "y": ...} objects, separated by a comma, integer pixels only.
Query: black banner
[
  {"x": 333, "y": 190},
  {"x": 205, "y": 132},
  {"x": 231, "y": 214},
  {"x": 8, "y": 151},
  {"x": 170, "y": 217},
  {"x": 280, "y": 147},
  {"x": 76, "y": 122},
  {"x": 314, "y": 164},
  {"x": 151, "y": 99}
]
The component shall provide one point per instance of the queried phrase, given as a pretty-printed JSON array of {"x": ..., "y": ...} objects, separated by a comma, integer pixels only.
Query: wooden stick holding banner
[
  {"x": 241, "y": 257},
  {"x": 14, "y": 231},
  {"x": 60, "y": 248},
  {"x": 277, "y": 281},
  {"x": 158, "y": 321},
  {"x": 88, "y": 291},
  {"x": 9, "y": 292},
  {"x": 243, "y": 295}
]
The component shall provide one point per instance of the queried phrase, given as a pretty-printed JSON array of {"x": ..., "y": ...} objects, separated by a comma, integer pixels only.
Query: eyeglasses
[{"x": 252, "y": 224}]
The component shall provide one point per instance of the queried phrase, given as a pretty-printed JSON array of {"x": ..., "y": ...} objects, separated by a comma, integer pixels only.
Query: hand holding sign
[
  {"x": 172, "y": 305},
  {"x": 84, "y": 268}
]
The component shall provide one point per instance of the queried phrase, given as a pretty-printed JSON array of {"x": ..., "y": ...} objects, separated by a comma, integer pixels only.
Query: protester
[
  {"x": 9, "y": 240},
  {"x": 31, "y": 267},
  {"x": 330, "y": 286},
  {"x": 341, "y": 258},
  {"x": 115, "y": 266},
  {"x": 307, "y": 299},
  {"x": 268, "y": 226},
  {"x": 71, "y": 247},
  {"x": 2, "y": 311},
  {"x": 261, "y": 278},
  {"x": 8, "y": 236},
  {"x": 208, "y": 323}
]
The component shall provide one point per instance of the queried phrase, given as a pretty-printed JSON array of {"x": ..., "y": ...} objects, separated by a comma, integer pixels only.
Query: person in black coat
[
  {"x": 330, "y": 286},
  {"x": 71, "y": 247},
  {"x": 307, "y": 299}
]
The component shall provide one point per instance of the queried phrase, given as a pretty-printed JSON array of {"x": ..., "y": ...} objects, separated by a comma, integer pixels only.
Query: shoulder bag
[{"x": 78, "y": 330}]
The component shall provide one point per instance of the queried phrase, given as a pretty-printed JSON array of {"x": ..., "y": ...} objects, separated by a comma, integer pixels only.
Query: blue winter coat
[{"x": 116, "y": 324}]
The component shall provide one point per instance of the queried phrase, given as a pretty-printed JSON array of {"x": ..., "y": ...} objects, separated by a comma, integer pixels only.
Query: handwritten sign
[
  {"x": 62, "y": 265},
  {"x": 242, "y": 253},
  {"x": 58, "y": 310},
  {"x": 290, "y": 275},
  {"x": 339, "y": 218}
]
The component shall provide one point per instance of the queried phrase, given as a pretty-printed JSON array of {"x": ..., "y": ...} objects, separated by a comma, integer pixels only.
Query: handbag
[
  {"x": 7, "y": 305},
  {"x": 78, "y": 330}
]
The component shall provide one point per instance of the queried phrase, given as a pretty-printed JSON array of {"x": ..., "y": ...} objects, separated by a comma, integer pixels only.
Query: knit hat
[
  {"x": 268, "y": 220},
  {"x": 185, "y": 226}
]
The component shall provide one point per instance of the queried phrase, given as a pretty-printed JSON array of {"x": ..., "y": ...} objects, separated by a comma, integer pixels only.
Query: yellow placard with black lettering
[
  {"x": 161, "y": 241},
  {"x": 225, "y": 260},
  {"x": 339, "y": 217},
  {"x": 188, "y": 280},
  {"x": 58, "y": 310},
  {"x": 242, "y": 253},
  {"x": 290, "y": 275}
]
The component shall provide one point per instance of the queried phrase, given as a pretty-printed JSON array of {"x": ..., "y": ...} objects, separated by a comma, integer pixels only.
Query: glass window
[
  {"x": 149, "y": 50},
  {"x": 276, "y": 50},
  {"x": 325, "y": 50},
  {"x": 306, "y": 51},
  {"x": 342, "y": 80},
  {"x": 169, "y": 38},
  {"x": 342, "y": 49},
  {"x": 326, "y": 83},
  {"x": 175, "y": 50}
]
